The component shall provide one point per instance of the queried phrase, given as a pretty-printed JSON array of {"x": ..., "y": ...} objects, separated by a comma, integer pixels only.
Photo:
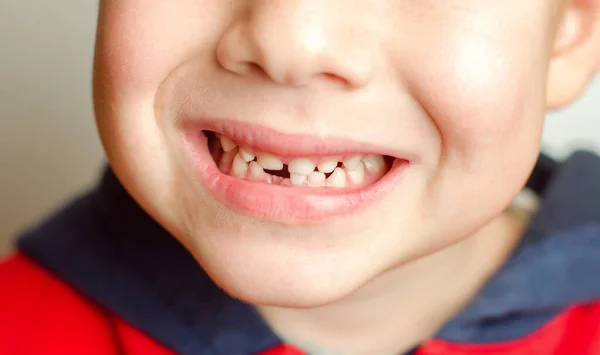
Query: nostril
[
  {"x": 254, "y": 69},
  {"x": 336, "y": 79},
  {"x": 247, "y": 69}
]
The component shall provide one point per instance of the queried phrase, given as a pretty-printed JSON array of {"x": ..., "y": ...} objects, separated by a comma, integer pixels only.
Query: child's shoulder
[
  {"x": 546, "y": 298},
  {"x": 43, "y": 314},
  {"x": 38, "y": 310}
]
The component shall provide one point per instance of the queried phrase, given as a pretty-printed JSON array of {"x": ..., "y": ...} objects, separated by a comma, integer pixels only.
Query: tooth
[
  {"x": 298, "y": 179},
  {"x": 327, "y": 166},
  {"x": 316, "y": 178},
  {"x": 352, "y": 162},
  {"x": 357, "y": 175},
  {"x": 226, "y": 160},
  {"x": 239, "y": 167},
  {"x": 227, "y": 143},
  {"x": 337, "y": 178},
  {"x": 246, "y": 154},
  {"x": 256, "y": 171},
  {"x": 269, "y": 162},
  {"x": 374, "y": 163},
  {"x": 276, "y": 180},
  {"x": 301, "y": 166}
]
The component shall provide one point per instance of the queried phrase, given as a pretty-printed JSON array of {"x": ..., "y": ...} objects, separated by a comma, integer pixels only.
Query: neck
[{"x": 413, "y": 300}]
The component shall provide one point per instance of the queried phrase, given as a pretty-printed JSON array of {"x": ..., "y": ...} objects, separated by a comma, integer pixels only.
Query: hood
[{"x": 106, "y": 247}]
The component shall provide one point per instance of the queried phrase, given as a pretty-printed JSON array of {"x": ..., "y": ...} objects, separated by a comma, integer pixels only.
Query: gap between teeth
[{"x": 244, "y": 163}]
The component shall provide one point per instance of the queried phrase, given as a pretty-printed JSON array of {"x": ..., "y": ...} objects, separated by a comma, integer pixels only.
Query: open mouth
[
  {"x": 349, "y": 171},
  {"x": 287, "y": 178}
]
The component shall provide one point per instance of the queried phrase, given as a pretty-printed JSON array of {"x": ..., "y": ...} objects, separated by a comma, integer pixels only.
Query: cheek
[
  {"x": 486, "y": 98},
  {"x": 485, "y": 95},
  {"x": 141, "y": 41}
]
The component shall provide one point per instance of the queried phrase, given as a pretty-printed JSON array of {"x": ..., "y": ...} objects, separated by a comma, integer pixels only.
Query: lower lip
[{"x": 278, "y": 203}]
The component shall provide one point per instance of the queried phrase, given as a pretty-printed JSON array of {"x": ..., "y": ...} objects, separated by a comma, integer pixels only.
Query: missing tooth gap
[{"x": 284, "y": 173}]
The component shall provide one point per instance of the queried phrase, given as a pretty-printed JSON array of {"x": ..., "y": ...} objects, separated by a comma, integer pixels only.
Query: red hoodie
[{"x": 101, "y": 277}]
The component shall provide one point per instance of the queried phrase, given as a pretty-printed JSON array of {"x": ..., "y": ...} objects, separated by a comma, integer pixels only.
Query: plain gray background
[{"x": 49, "y": 150}]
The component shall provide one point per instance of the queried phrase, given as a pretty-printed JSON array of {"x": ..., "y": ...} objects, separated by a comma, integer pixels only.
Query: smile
[{"x": 287, "y": 178}]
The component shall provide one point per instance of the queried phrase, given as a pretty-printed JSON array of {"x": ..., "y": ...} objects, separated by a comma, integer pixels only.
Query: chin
[
  {"x": 291, "y": 288},
  {"x": 278, "y": 274}
]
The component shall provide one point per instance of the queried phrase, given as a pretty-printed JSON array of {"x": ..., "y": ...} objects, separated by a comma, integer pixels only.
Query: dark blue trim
[
  {"x": 533, "y": 287},
  {"x": 571, "y": 199}
]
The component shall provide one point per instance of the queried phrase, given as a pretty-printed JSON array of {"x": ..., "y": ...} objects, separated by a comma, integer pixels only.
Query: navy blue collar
[{"x": 105, "y": 246}]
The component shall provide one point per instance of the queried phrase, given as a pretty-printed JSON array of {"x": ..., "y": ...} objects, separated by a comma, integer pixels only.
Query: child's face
[{"x": 454, "y": 90}]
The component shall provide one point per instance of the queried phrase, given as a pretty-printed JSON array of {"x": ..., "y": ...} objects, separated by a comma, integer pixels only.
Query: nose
[{"x": 295, "y": 43}]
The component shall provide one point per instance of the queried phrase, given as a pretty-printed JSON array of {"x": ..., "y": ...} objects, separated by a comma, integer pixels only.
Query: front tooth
[
  {"x": 227, "y": 144},
  {"x": 316, "y": 178},
  {"x": 269, "y": 162},
  {"x": 374, "y": 163},
  {"x": 239, "y": 167},
  {"x": 301, "y": 166},
  {"x": 298, "y": 179},
  {"x": 337, "y": 178},
  {"x": 327, "y": 166},
  {"x": 357, "y": 175},
  {"x": 246, "y": 154},
  {"x": 352, "y": 162},
  {"x": 256, "y": 171}
]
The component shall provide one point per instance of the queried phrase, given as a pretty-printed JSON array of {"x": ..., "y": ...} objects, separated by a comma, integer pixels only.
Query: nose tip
[{"x": 294, "y": 53}]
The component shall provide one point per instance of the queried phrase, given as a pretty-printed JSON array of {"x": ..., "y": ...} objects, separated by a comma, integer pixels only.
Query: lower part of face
[{"x": 446, "y": 99}]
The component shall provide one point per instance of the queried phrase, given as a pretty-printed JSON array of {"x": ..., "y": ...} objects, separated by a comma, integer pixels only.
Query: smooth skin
[{"x": 463, "y": 85}]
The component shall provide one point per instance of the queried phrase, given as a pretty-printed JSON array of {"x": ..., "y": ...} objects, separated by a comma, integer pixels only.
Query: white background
[{"x": 49, "y": 150}]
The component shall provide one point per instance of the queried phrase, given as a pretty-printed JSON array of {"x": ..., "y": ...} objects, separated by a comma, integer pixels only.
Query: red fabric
[
  {"x": 282, "y": 350},
  {"x": 575, "y": 331},
  {"x": 39, "y": 314}
]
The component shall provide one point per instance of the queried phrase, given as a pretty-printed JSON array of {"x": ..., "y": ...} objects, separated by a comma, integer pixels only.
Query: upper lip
[{"x": 272, "y": 141}]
